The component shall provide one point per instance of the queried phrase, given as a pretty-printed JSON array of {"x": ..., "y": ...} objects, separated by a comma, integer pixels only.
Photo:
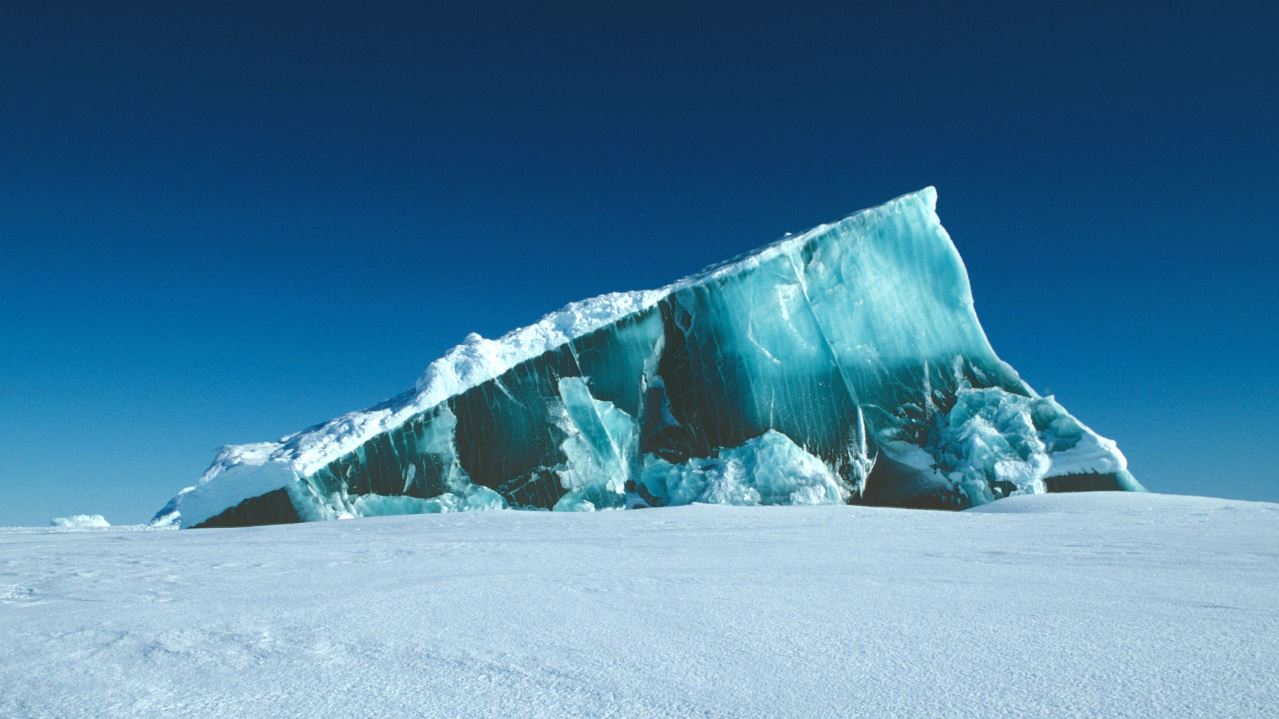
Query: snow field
[{"x": 1099, "y": 604}]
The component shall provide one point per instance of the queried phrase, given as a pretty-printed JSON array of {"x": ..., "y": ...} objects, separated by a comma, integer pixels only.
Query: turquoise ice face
[{"x": 845, "y": 364}]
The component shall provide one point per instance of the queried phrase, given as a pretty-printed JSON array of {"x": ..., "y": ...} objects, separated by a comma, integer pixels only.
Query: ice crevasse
[{"x": 843, "y": 364}]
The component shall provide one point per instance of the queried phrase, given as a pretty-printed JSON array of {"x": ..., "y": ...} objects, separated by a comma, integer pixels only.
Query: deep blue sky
[{"x": 221, "y": 224}]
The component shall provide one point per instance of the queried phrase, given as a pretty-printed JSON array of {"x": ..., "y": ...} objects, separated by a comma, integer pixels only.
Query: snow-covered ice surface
[{"x": 1063, "y": 605}]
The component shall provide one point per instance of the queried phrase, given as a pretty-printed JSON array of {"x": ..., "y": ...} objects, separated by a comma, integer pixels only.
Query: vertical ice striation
[{"x": 842, "y": 364}]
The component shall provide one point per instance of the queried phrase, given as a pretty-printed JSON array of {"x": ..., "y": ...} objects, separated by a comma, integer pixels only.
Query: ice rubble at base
[
  {"x": 1011, "y": 442},
  {"x": 844, "y": 364},
  {"x": 602, "y": 460}
]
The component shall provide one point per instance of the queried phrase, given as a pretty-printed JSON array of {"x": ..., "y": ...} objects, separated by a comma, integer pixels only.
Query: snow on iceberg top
[{"x": 478, "y": 360}]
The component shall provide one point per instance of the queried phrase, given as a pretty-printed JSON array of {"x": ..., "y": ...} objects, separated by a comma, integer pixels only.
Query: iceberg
[
  {"x": 80, "y": 521},
  {"x": 843, "y": 364}
]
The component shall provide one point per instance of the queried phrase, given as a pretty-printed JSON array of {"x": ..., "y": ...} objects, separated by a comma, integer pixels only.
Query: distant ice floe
[{"x": 80, "y": 521}]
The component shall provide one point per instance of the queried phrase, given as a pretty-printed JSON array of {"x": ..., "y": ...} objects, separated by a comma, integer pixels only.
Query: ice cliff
[{"x": 844, "y": 364}]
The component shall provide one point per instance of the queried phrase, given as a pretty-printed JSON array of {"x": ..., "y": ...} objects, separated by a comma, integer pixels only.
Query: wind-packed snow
[{"x": 1060, "y": 605}]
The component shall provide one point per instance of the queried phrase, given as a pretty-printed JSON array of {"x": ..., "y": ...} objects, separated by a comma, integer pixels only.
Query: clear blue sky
[{"x": 224, "y": 222}]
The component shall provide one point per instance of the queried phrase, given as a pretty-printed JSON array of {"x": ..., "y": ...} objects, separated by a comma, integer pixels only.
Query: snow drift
[{"x": 844, "y": 364}]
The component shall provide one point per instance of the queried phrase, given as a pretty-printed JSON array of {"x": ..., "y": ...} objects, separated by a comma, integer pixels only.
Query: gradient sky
[{"x": 223, "y": 223}]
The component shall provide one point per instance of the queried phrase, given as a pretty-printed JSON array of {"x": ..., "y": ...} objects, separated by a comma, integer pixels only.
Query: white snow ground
[{"x": 1114, "y": 604}]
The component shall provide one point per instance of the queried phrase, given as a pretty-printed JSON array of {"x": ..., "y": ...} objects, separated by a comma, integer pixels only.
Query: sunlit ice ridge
[{"x": 845, "y": 364}]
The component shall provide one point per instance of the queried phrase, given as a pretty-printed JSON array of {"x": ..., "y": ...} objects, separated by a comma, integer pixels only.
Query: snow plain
[{"x": 1105, "y": 604}]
